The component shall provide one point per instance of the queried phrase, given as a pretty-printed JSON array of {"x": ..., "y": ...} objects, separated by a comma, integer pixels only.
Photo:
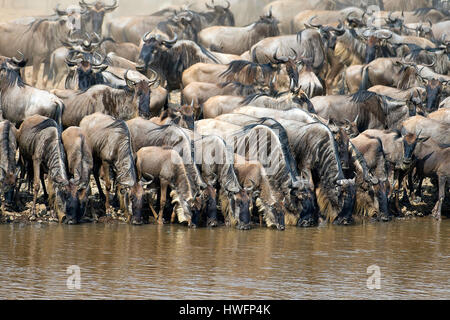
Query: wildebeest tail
[
  {"x": 365, "y": 82},
  {"x": 58, "y": 114}
]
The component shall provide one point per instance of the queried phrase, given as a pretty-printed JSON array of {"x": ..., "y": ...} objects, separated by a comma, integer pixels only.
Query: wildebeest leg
[
  {"x": 105, "y": 168},
  {"x": 36, "y": 184},
  {"x": 96, "y": 171},
  {"x": 405, "y": 197},
  {"x": 162, "y": 203},
  {"x": 36, "y": 68},
  {"x": 438, "y": 207},
  {"x": 45, "y": 76},
  {"x": 44, "y": 189}
]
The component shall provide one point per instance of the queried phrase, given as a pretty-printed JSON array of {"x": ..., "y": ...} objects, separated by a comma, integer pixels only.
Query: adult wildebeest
[
  {"x": 36, "y": 40},
  {"x": 367, "y": 109},
  {"x": 433, "y": 161},
  {"x": 237, "y": 40},
  {"x": 19, "y": 101},
  {"x": 92, "y": 15},
  {"x": 79, "y": 163},
  {"x": 42, "y": 152},
  {"x": 145, "y": 133},
  {"x": 166, "y": 165},
  {"x": 374, "y": 158},
  {"x": 251, "y": 175},
  {"x": 8, "y": 174},
  {"x": 171, "y": 57},
  {"x": 110, "y": 142},
  {"x": 125, "y": 104},
  {"x": 316, "y": 153},
  {"x": 216, "y": 161},
  {"x": 199, "y": 92},
  {"x": 436, "y": 130},
  {"x": 398, "y": 149},
  {"x": 441, "y": 115}
]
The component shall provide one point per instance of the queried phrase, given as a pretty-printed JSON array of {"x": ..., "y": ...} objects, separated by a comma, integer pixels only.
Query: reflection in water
[{"x": 174, "y": 262}]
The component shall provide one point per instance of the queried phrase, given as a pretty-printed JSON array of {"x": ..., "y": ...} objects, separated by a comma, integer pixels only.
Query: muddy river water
[{"x": 409, "y": 258}]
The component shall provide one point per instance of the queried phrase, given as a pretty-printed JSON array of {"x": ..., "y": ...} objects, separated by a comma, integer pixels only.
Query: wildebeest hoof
[
  {"x": 212, "y": 223},
  {"x": 192, "y": 226},
  {"x": 281, "y": 228},
  {"x": 71, "y": 221},
  {"x": 242, "y": 226},
  {"x": 136, "y": 221},
  {"x": 385, "y": 218},
  {"x": 33, "y": 217},
  {"x": 305, "y": 223}
]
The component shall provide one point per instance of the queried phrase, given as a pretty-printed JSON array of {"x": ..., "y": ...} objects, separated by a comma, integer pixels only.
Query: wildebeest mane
[
  {"x": 54, "y": 154},
  {"x": 124, "y": 154},
  {"x": 362, "y": 96},
  {"x": 246, "y": 71},
  {"x": 242, "y": 89}
]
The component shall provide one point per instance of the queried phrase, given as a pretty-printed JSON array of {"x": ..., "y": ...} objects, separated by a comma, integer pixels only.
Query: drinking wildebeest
[
  {"x": 8, "y": 174},
  {"x": 79, "y": 163},
  {"x": 19, "y": 101},
  {"x": 165, "y": 165},
  {"x": 110, "y": 142},
  {"x": 42, "y": 152}
]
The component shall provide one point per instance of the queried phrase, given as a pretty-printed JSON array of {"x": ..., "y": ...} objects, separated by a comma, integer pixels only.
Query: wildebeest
[
  {"x": 216, "y": 161},
  {"x": 199, "y": 92},
  {"x": 110, "y": 142},
  {"x": 36, "y": 40},
  {"x": 19, "y": 100},
  {"x": 42, "y": 152},
  {"x": 436, "y": 130},
  {"x": 145, "y": 133},
  {"x": 237, "y": 40},
  {"x": 398, "y": 149},
  {"x": 91, "y": 15},
  {"x": 8, "y": 174},
  {"x": 372, "y": 151},
  {"x": 125, "y": 104},
  {"x": 171, "y": 57},
  {"x": 166, "y": 166},
  {"x": 182, "y": 116},
  {"x": 314, "y": 145},
  {"x": 414, "y": 96},
  {"x": 441, "y": 115},
  {"x": 251, "y": 175},
  {"x": 433, "y": 160},
  {"x": 79, "y": 163}
]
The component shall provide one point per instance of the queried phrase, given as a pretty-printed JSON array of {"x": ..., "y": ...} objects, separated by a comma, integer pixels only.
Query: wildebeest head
[
  {"x": 184, "y": 116},
  {"x": 434, "y": 88},
  {"x": 303, "y": 193},
  {"x": 87, "y": 70},
  {"x": 66, "y": 202},
  {"x": 240, "y": 206},
  {"x": 269, "y": 24},
  {"x": 142, "y": 91},
  {"x": 93, "y": 14},
  {"x": 153, "y": 45},
  {"x": 410, "y": 141},
  {"x": 425, "y": 31},
  {"x": 133, "y": 200},
  {"x": 346, "y": 195},
  {"x": 224, "y": 16},
  {"x": 328, "y": 34},
  {"x": 9, "y": 71},
  {"x": 376, "y": 40},
  {"x": 395, "y": 24},
  {"x": 355, "y": 22}
]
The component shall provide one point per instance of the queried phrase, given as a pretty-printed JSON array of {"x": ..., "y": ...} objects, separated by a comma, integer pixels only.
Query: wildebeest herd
[{"x": 316, "y": 111}]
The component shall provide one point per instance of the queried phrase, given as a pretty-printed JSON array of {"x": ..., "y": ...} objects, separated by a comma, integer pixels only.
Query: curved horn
[
  {"x": 208, "y": 6},
  {"x": 313, "y": 25},
  {"x": 82, "y": 3},
  {"x": 294, "y": 57},
  {"x": 278, "y": 60},
  {"x": 58, "y": 11},
  {"x": 172, "y": 41},
  {"x": 228, "y": 5},
  {"x": 112, "y": 6},
  {"x": 17, "y": 61}
]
